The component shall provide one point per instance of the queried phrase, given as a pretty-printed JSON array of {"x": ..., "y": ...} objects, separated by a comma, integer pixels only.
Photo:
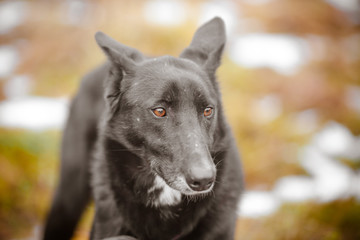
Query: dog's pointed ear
[
  {"x": 122, "y": 56},
  {"x": 124, "y": 60},
  {"x": 207, "y": 45}
]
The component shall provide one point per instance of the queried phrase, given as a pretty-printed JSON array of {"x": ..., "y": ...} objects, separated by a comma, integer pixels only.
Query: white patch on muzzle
[{"x": 167, "y": 197}]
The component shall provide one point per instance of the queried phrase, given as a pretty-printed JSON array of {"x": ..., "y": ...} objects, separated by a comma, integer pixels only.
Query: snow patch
[
  {"x": 165, "y": 13},
  {"x": 282, "y": 53},
  {"x": 256, "y": 204},
  {"x": 34, "y": 113},
  {"x": 9, "y": 59},
  {"x": 12, "y": 14}
]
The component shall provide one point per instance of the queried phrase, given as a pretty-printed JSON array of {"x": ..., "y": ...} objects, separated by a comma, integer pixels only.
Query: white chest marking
[{"x": 168, "y": 196}]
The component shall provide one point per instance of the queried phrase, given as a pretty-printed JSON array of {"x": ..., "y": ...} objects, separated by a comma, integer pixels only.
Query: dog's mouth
[
  {"x": 194, "y": 182},
  {"x": 183, "y": 186},
  {"x": 170, "y": 193}
]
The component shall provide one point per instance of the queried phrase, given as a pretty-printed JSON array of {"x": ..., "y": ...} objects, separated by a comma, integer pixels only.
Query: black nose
[{"x": 200, "y": 179}]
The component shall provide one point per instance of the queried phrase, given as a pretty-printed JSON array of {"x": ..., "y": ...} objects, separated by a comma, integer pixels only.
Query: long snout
[{"x": 200, "y": 172}]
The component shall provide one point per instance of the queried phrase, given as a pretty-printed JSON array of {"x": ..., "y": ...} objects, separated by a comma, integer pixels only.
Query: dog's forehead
[
  {"x": 166, "y": 77},
  {"x": 167, "y": 67}
]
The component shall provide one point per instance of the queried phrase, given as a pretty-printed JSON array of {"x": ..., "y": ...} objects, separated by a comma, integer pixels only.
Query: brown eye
[
  {"x": 208, "y": 112},
  {"x": 159, "y": 112}
]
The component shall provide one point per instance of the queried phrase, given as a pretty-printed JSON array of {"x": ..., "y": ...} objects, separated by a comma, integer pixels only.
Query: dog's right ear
[
  {"x": 207, "y": 45},
  {"x": 122, "y": 56}
]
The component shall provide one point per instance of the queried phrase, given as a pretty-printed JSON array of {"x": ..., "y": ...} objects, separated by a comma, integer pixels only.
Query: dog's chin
[
  {"x": 166, "y": 193},
  {"x": 172, "y": 189}
]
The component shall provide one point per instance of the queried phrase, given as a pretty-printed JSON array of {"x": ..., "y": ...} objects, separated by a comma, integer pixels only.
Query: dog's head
[{"x": 167, "y": 110}]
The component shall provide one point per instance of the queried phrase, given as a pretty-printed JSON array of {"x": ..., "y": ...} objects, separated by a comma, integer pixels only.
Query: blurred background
[{"x": 290, "y": 80}]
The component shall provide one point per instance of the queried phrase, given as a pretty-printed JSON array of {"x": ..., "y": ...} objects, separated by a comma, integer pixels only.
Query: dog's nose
[{"x": 200, "y": 179}]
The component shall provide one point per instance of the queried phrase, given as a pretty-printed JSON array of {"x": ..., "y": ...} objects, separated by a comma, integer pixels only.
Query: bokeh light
[{"x": 290, "y": 83}]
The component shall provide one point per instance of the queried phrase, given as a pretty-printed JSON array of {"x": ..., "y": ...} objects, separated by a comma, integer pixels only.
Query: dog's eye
[
  {"x": 159, "y": 112},
  {"x": 208, "y": 112}
]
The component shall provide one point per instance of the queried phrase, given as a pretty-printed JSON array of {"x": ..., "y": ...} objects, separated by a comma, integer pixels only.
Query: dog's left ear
[
  {"x": 122, "y": 56},
  {"x": 124, "y": 59},
  {"x": 207, "y": 45}
]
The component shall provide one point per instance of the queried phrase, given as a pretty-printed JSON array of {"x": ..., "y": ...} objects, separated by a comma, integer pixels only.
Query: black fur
[{"x": 141, "y": 165}]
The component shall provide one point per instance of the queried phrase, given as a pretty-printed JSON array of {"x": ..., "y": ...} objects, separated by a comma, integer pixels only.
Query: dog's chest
[
  {"x": 163, "y": 222},
  {"x": 167, "y": 214}
]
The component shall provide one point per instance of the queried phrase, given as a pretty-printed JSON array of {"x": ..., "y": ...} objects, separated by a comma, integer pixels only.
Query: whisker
[
  {"x": 125, "y": 149},
  {"x": 218, "y": 162}
]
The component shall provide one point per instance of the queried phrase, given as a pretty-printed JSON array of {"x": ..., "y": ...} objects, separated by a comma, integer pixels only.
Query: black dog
[{"x": 157, "y": 154}]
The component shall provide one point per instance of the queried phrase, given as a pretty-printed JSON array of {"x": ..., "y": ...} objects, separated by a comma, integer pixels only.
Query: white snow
[
  {"x": 282, "y": 53},
  {"x": 12, "y": 14},
  {"x": 257, "y": 204},
  {"x": 334, "y": 140},
  {"x": 345, "y": 5},
  {"x": 329, "y": 178},
  {"x": 295, "y": 189},
  {"x": 267, "y": 109},
  {"x": 224, "y": 9},
  {"x": 306, "y": 121},
  {"x": 9, "y": 59},
  {"x": 17, "y": 87},
  {"x": 165, "y": 13},
  {"x": 75, "y": 11},
  {"x": 256, "y": 2},
  {"x": 353, "y": 98},
  {"x": 332, "y": 178},
  {"x": 34, "y": 113}
]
